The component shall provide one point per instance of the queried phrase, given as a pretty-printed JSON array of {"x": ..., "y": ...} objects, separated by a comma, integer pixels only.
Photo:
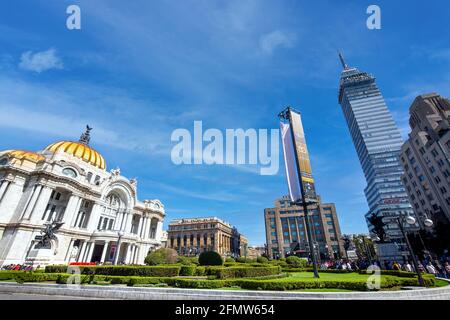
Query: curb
[{"x": 139, "y": 293}]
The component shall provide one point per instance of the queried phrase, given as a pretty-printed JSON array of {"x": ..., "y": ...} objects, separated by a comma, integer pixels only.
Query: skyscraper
[{"x": 378, "y": 142}]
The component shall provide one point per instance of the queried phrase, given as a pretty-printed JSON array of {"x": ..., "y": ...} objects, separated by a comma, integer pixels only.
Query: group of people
[
  {"x": 17, "y": 267},
  {"x": 425, "y": 266}
]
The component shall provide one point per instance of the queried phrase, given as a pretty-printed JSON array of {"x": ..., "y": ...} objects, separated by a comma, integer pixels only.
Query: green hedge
[
  {"x": 187, "y": 270},
  {"x": 27, "y": 276},
  {"x": 244, "y": 272},
  {"x": 144, "y": 271}
]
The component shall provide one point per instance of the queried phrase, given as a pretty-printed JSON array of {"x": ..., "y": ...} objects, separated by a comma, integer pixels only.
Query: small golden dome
[
  {"x": 79, "y": 150},
  {"x": 22, "y": 154}
]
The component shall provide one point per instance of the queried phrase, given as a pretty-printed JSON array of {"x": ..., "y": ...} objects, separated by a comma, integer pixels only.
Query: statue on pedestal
[{"x": 48, "y": 234}]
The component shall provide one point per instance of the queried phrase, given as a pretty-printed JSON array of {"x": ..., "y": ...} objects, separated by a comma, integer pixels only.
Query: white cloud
[
  {"x": 40, "y": 61},
  {"x": 271, "y": 41}
]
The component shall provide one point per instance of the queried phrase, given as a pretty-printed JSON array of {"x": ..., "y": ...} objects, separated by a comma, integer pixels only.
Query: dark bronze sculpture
[
  {"x": 48, "y": 234},
  {"x": 378, "y": 227}
]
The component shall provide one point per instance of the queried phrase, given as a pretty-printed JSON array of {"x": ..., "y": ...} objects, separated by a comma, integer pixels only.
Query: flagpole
[{"x": 286, "y": 114}]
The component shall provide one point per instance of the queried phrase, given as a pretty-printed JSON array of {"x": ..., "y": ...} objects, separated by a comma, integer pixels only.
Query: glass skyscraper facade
[{"x": 378, "y": 143}]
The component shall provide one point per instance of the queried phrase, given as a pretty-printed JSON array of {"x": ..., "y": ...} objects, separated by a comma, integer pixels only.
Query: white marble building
[{"x": 68, "y": 182}]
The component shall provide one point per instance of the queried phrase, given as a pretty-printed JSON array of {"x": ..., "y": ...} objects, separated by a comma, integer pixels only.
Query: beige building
[
  {"x": 286, "y": 230},
  {"x": 425, "y": 158},
  {"x": 193, "y": 236}
]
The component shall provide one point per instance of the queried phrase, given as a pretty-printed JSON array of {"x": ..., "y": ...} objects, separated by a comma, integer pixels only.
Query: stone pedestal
[{"x": 39, "y": 258}]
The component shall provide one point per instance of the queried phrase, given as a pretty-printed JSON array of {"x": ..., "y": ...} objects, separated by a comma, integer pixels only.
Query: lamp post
[
  {"x": 119, "y": 242},
  {"x": 411, "y": 221},
  {"x": 287, "y": 115}
]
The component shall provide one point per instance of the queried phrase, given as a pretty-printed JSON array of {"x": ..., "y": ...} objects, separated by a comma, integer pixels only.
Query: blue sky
[{"x": 137, "y": 70}]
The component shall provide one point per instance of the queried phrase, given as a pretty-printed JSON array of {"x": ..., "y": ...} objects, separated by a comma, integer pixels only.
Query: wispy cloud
[
  {"x": 276, "y": 39},
  {"x": 40, "y": 61}
]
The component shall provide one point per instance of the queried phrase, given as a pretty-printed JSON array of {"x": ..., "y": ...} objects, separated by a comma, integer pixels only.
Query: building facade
[
  {"x": 426, "y": 158},
  {"x": 286, "y": 230},
  {"x": 193, "y": 236},
  {"x": 68, "y": 182},
  {"x": 378, "y": 142}
]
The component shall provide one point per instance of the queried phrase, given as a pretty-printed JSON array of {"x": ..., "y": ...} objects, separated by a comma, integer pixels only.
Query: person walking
[
  {"x": 447, "y": 270},
  {"x": 431, "y": 269},
  {"x": 407, "y": 267},
  {"x": 396, "y": 266}
]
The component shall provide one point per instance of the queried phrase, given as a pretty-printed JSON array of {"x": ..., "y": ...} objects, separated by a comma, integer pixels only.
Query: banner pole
[{"x": 304, "y": 204}]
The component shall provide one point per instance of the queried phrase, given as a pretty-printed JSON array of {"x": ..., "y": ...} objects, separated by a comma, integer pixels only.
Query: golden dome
[
  {"x": 22, "y": 154},
  {"x": 79, "y": 150}
]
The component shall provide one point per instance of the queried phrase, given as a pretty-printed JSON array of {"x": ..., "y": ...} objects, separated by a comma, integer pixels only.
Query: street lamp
[
  {"x": 119, "y": 242},
  {"x": 411, "y": 221}
]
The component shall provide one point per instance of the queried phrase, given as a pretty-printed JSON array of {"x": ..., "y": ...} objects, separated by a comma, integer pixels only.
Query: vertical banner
[
  {"x": 306, "y": 178},
  {"x": 290, "y": 163}
]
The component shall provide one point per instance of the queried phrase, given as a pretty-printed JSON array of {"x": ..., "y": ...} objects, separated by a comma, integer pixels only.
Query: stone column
[
  {"x": 90, "y": 252},
  {"x": 104, "y": 252},
  {"x": 128, "y": 253},
  {"x": 140, "y": 226},
  {"x": 3, "y": 188},
  {"x": 93, "y": 217},
  {"x": 69, "y": 251},
  {"x": 137, "y": 255},
  {"x": 82, "y": 250},
  {"x": 159, "y": 226},
  {"x": 70, "y": 210},
  {"x": 128, "y": 223},
  {"x": 75, "y": 212},
  {"x": 41, "y": 204},
  {"x": 32, "y": 201},
  {"x": 147, "y": 229}
]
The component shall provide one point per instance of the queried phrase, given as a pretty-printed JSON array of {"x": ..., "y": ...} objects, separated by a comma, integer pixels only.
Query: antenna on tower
[{"x": 344, "y": 64}]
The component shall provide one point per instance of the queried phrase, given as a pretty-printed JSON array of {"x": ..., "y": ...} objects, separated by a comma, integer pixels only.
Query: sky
[{"x": 138, "y": 70}]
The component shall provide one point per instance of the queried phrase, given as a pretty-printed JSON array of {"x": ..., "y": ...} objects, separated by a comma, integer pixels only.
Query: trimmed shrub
[
  {"x": 187, "y": 270},
  {"x": 200, "y": 271},
  {"x": 245, "y": 260},
  {"x": 200, "y": 284},
  {"x": 229, "y": 259},
  {"x": 187, "y": 260},
  {"x": 144, "y": 271},
  {"x": 244, "y": 272},
  {"x": 296, "y": 262},
  {"x": 262, "y": 260},
  {"x": 210, "y": 258},
  {"x": 161, "y": 256}
]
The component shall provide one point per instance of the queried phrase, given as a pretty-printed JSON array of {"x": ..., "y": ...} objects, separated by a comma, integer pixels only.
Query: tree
[
  {"x": 296, "y": 262},
  {"x": 161, "y": 256},
  {"x": 210, "y": 258}
]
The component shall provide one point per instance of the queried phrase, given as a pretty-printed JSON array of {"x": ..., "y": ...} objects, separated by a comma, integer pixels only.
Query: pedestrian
[
  {"x": 431, "y": 269},
  {"x": 396, "y": 266},
  {"x": 407, "y": 267},
  {"x": 447, "y": 270}
]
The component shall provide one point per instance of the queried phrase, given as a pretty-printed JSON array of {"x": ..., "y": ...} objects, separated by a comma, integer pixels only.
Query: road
[{"x": 22, "y": 296}]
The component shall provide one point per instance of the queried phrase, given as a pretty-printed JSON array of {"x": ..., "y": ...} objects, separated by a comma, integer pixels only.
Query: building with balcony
[
  {"x": 286, "y": 230},
  {"x": 196, "y": 235},
  {"x": 68, "y": 182},
  {"x": 425, "y": 157}
]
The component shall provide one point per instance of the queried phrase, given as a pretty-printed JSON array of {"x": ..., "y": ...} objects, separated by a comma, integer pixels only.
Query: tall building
[
  {"x": 378, "y": 142},
  {"x": 286, "y": 230},
  {"x": 68, "y": 182},
  {"x": 426, "y": 158},
  {"x": 196, "y": 235}
]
